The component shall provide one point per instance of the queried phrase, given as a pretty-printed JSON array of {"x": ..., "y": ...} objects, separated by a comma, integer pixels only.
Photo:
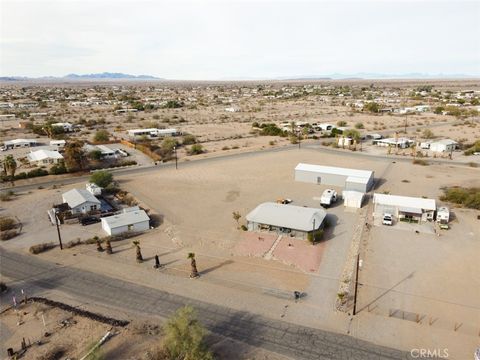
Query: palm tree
[
  {"x": 236, "y": 216},
  {"x": 99, "y": 244},
  {"x": 9, "y": 167},
  {"x": 193, "y": 264},
  {"x": 139, "y": 251},
  {"x": 108, "y": 247}
]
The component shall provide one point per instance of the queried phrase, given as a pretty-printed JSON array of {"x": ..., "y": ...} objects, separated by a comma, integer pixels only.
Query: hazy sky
[{"x": 252, "y": 39}]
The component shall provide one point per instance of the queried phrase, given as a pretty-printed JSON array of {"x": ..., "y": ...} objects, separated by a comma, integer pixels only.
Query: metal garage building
[
  {"x": 130, "y": 220},
  {"x": 350, "y": 179},
  {"x": 404, "y": 208},
  {"x": 298, "y": 221}
]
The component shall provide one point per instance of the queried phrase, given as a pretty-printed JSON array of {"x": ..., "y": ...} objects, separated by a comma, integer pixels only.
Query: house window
[{"x": 93, "y": 207}]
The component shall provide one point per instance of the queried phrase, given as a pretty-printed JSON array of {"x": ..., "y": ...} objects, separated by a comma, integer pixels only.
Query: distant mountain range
[
  {"x": 374, "y": 76},
  {"x": 97, "y": 76},
  {"x": 335, "y": 76}
]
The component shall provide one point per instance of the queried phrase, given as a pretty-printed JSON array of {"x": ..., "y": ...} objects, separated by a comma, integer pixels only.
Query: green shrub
[
  {"x": 270, "y": 129},
  {"x": 359, "y": 125},
  {"x": 195, "y": 149},
  {"x": 101, "y": 136},
  {"x": 189, "y": 140},
  {"x": 58, "y": 169},
  {"x": 315, "y": 236},
  {"x": 341, "y": 123},
  {"x": 467, "y": 197},
  {"x": 101, "y": 178}
]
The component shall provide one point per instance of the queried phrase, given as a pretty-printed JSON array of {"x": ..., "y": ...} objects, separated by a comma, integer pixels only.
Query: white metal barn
[
  {"x": 127, "y": 221},
  {"x": 350, "y": 179},
  {"x": 297, "y": 220},
  {"x": 404, "y": 208}
]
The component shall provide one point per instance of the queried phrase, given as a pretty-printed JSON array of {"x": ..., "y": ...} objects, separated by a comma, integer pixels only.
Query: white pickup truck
[
  {"x": 387, "y": 219},
  {"x": 329, "y": 196}
]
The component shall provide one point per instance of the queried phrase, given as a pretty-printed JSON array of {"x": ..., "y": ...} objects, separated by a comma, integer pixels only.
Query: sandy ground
[
  {"x": 197, "y": 202},
  {"x": 73, "y": 336}
]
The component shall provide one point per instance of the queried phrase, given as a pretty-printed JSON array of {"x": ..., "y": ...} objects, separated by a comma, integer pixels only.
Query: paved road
[{"x": 295, "y": 341}]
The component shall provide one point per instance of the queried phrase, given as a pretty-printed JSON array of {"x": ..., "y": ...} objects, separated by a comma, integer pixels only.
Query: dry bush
[
  {"x": 8, "y": 234},
  {"x": 55, "y": 353},
  {"x": 37, "y": 249},
  {"x": 7, "y": 223}
]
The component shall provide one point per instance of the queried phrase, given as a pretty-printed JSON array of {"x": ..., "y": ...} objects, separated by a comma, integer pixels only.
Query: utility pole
[
  {"x": 58, "y": 230},
  {"x": 406, "y": 118},
  {"x": 356, "y": 287},
  {"x": 176, "y": 158}
]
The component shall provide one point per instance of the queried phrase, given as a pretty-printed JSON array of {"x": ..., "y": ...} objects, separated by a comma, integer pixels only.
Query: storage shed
[
  {"x": 404, "y": 208},
  {"x": 352, "y": 199},
  {"x": 295, "y": 220},
  {"x": 350, "y": 179},
  {"x": 127, "y": 221}
]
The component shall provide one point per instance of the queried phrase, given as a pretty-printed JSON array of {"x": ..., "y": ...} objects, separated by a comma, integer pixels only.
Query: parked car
[
  {"x": 387, "y": 219},
  {"x": 88, "y": 220}
]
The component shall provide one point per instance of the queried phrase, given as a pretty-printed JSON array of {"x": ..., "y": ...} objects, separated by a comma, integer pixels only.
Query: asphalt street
[{"x": 297, "y": 342}]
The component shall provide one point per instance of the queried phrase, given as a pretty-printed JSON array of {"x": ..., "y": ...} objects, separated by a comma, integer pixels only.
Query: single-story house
[
  {"x": 66, "y": 126},
  {"x": 134, "y": 220},
  {"x": 326, "y": 127},
  {"x": 445, "y": 145},
  {"x": 81, "y": 201},
  {"x": 350, "y": 179},
  {"x": 153, "y": 132},
  {"x": 404, "y": 208},
  {"x": 18, "y": 143},
  {"x": 352, "y": 199},
  {"x": 298, "y": 221},
  {"x": 105, "y": 151},
  {"x": 58, "y": 143},
  {"x": 401, "y": 143},
  {"x": 43, "y": 157}
]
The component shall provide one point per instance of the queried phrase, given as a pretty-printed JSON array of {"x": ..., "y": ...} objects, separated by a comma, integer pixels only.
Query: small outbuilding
[
  {"x": 352, "y": 199},
  {"x": 135, "y": 220},
  {"x": 297, "y": 221},
  {"x": 81, "y": 201},
  {"x": 445, "y": 145},
  {"x": 349, "y": 179},
  {"x": 404, "y": 208}
]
